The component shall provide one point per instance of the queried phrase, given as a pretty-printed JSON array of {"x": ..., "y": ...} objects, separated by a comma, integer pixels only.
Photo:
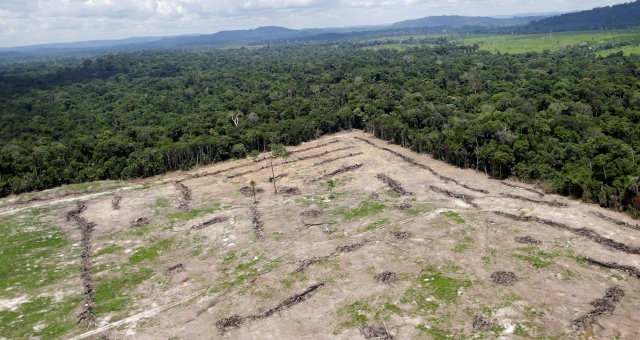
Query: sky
[{"x": 28, "y": 22}]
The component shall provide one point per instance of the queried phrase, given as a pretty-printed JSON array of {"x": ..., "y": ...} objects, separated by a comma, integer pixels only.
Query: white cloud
[{"x": 25, "y": 22}]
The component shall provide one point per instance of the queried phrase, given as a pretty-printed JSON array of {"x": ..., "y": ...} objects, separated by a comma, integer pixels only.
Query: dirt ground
[{"x": 208, "y": 276}]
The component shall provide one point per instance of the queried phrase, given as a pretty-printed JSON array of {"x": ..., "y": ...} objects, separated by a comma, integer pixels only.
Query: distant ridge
[
  {"x": 456, "y": 21},
  {"x": 610, "y": 17}
]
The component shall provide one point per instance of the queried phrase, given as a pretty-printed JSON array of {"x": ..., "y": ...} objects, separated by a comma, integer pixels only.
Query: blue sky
[{"x": 25, "y": 22}]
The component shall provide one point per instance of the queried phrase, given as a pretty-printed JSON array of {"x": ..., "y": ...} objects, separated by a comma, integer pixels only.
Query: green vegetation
[
  {"x": 454, "y": 216},
  {"x": 28, "y": 249},
  {"x": 463, "y": 245},
  {"x": 366, "y": 208},
  {"x": 193, "y": 213},
  {"x": 355, "y": 313},
  {"x": 537, "y": 258},
  {"x": 152, "y": 252},
  {"x": 419, "y": 208},
  {"x": 374, "y": 225},
  {"x": 41, "y": 317},
  {"x": 432, "y": 285},
  {"x": 111, "y": 293},
  {"x": 437, "y": 333}
]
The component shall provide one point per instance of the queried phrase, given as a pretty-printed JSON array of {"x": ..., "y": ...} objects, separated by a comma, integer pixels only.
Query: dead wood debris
[
  {"x": 481, "y": 323},
  {"x": 526, "y": 199},
  {"x": 185, "y": 196},
  {"x": 289, "y": 191},
  {"x": 115, "y": 202},
  {"x": 270, "y": 179},
  {"x": 401, "y": 235},
  {"x": 615, "y": 221},
  {"x": 393, "y": 184},
  {"x": 236, "y": 321},
  {"x": 340, "y": 249},
  {"x": 381, "y": 332},
  {"x": 338, "y": 158},
  {"x": 466, "y": 198},
  {"x": 247, "y": 191},
  {"x": 339, "y": 171},
  {"x": 387, "y": 277},
  {"x": 603, "y": 306},
  {"x": 258, "y": 226},
  {"x": 178, "y": 268},
  {"x": 205, "y": 224},
  {"x": 288, "y": 162},
  {"x": 527, "y": 240},
  {"x": 522, "y": 188},
  {"x": 301, "y": 150},
  {"x": 632, "y": 271},
  {"x": 140, "y": 222},
  {"x": 86, "y": 316},
  {"x": 402, "y": 206},
  {"x": 585, "y": 232},
  {"x": 311, "y": 213},
  {"x": 504, "y": 278},
  {"x": 422, "y": 166}
]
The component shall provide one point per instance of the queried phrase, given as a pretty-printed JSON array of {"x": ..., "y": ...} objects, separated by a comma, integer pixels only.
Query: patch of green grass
[
  {"x": 392, "y": 193},
  {"x": 437, "y": 333},
  {"x": 419, "y": 208},
  {"x": 162, "y": 202},
  {"x": 463, "y": 245},
  {"x": 454, "y": 216},
  {"x": 626, "y": 50},
  {"x": 231, "y": 256},
  {"x": 429, "y": 285},
  {"x": 277, "y": 235},
  {"x": 152, "y": 252},
  {"x": 191, "y": 214},
  {"x": 244, "y": 273},
  {"x": 108, "y": 250},
  {"x": 110, "y": 293},
  {"x": 28, "y": 249},
  {"x": 53, "y": 319},
  {"x": 536, "y": 258},
  {"x": 355, "y": 313},
  {"x": 366, "y": 208},
  {"x": 375, "y": 225}
]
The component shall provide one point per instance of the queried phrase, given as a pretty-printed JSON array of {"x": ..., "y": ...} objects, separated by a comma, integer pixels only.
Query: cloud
[{"x": 25, "y": 22}]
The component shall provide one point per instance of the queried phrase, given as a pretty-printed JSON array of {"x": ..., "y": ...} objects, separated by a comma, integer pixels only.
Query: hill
[
  {"x": 602, "y": 18},
  {"x": 455, "y": 21},
  {"x": 362, "y": 238}
]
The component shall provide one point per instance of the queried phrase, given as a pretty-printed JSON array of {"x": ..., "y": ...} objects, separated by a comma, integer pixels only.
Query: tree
[
  {"x": 253, "y": 190},
  {"x": 277, "y": 150}
]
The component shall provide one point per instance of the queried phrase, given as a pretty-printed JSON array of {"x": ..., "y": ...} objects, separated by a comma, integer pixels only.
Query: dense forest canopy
[{"x": 567, "y": 119}]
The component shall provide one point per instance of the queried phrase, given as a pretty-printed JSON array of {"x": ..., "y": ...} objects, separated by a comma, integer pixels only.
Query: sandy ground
[{"x": 227, "y": 270}]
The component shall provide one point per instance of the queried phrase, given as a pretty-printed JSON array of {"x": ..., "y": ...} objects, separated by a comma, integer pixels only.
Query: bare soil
[{"x": 222, "y": 267}]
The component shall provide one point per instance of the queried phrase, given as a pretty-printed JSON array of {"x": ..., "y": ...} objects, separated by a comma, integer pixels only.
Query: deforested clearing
[{"x": 341, "y": 253}]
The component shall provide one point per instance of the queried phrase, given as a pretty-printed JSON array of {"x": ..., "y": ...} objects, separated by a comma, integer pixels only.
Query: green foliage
[
  {"x": 152, "y": 252},
  {"x": 193, "y": 213},
  {"x": 454, "y": 216},
  {"x": 537, "y": 258},
  {"x": 366, "y": 208},
  {"x": 374, "y": 225},
  {"x": 110, "y": 293},
  {"x": 355, "y": 313},
  {"x": 27, "y": 249},
  {"x": 54, "y": 319}
]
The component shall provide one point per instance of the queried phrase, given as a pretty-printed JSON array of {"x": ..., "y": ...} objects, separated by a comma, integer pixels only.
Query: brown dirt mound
[
  {"x": 466, "y": 198},
  {"x": 140, "y": 222},
  {"x": 338, "y": 158},
  {"x": 339, "y": 171},
  {"x": 523, "y": 188},
  {"x": 205, "y": 224},
  {"x": 504, "y": 278},
  {"x": 402, "y": 206},
  {"x": 289, "y": 191},
  {"x": 605, "y": 305},
  {"x": 115, "y": 202},
  {"x": 381, "y": 332},
  {"x": 586, "y": 232},
  {"x": 480, "y": 323},
  {"x": 178, "y": 268},
  {"x": 387, "y": 277},
  {"x": 632, "y": 271},
  {"x": 393, "y": 184},
  {"x": 401, "y": 235},
  {"x": 236, "y": 321},
  {"x": 555, "y": 204},
  {"x": 258, "y": 226},
  {"x": 615, "y": 221},
  {"x": 185, "y": 196},
  {"x": 312, "y": 213},
  {"x": 527, "y": 240},
  {"x": 247, "y": 192}
]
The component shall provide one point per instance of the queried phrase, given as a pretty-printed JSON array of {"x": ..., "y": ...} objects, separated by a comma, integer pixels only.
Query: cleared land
[{"x": 425, "y": 250}]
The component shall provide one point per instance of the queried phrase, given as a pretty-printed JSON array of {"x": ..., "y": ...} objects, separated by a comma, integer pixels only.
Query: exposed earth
[{"x": 365, "y": 240}]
